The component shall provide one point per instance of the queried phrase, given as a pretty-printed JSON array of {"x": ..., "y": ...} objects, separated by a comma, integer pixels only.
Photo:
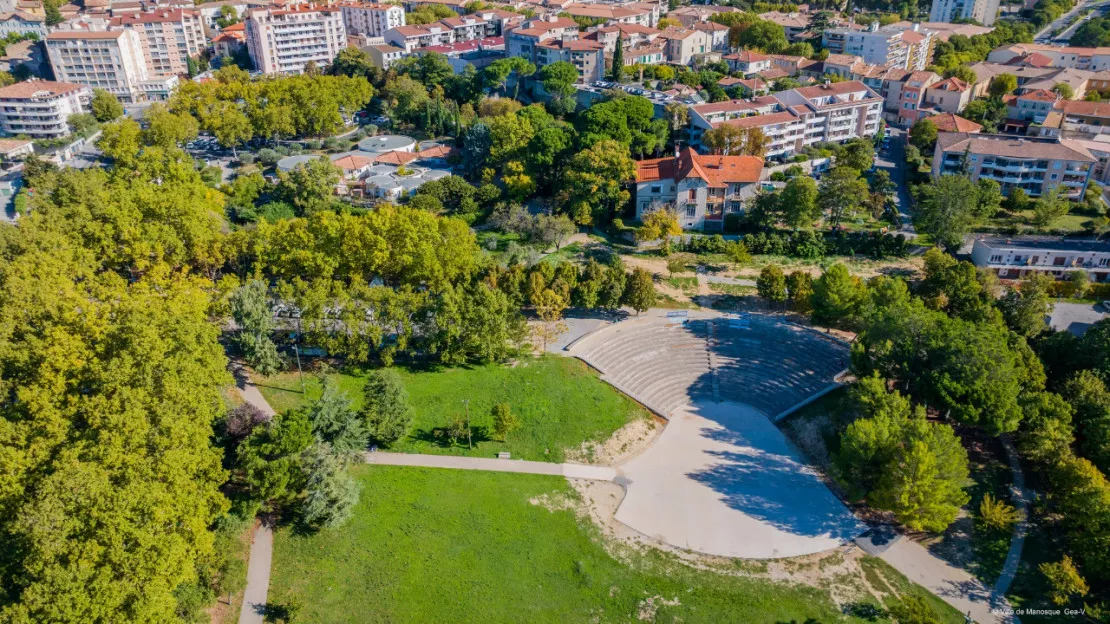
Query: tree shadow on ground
[{"x": 439, "y": 437}]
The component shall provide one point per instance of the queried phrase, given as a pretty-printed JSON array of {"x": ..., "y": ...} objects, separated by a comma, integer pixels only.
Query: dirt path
[
  {"x": 262, "y": 541},
  {"x": 574, "y": 471}
]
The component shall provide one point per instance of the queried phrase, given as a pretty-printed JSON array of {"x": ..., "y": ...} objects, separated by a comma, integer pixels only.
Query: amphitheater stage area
[{"x": 722, "y": 478}]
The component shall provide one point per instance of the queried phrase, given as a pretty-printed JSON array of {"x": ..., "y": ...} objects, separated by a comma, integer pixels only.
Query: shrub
[
  {"x": 1064, "y": 580},
  {"x": 996, "y": 515}
]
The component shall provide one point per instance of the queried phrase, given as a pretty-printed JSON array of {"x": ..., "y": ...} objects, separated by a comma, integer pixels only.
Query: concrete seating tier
[{"x": 770, "y": 365}]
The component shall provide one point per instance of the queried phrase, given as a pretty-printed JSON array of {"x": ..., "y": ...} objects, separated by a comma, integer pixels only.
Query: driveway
[
  {"x": 1075, "y": 317},
  {"x": 723, "y": 480},
  {"x": 894, "y": 163}
]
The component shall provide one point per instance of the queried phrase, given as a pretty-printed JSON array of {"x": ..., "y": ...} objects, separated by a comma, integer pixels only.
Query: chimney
[{"x": 916, "y": 27}]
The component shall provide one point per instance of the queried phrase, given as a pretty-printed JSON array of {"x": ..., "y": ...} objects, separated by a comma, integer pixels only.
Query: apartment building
[
  {"x": 469, "y": 27},
  {"x": 748, "y": 62},
  {"x": 644, "y": 14},
  {"x": 372, "y": 20},
  {"x": 1076, "y": 119},
  {"x": 410, "y": 38},
  {"x": 982, "y": 11},
  {"x": 906, "y": 49},
  {"x": 230, "y": 40},
  {"x": 950, "y": 95},
  {"x": 384, "y": 55},
  {"x": 795, "y": 25},
  {"x": 1030, "y": 77},
  {"x": 40, "y": 109},
  {"x": 693, "y": 14},
  {"x": 685, "y": 45},
  {"x": 701, "y": 189},
  {"x": 1090, "y": 59},
  {"x": 717, "y": 33},
  {"x": 1034, "y": 165},
  {"x": 791, "y": 120},
  {"x": 282, "y": 40},
  {"x": 169, "y": 37},
  {"x": 523, "y": 40},
  {"x": 111, "y": 60},
  {"x": 631, "y": 36},
  {"x": 904, "y": 92},
  {"x": 22, "y": 23},
  {"x": 587, "y": 56},
  {"x": 1019, "y": 257}
]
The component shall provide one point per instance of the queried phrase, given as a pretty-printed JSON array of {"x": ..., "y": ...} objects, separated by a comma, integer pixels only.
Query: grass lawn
[
  {"x": 561, "y": 403},
  {"x": 1022, "y": 221},
  {"x": 683, "y": 283},
  {"x": 429, "y": 545}
]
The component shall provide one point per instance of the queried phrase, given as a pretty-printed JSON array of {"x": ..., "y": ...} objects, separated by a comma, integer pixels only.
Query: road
[
  {"x": 1043, "y": 35},
  {"x": 894, "y": 163}
]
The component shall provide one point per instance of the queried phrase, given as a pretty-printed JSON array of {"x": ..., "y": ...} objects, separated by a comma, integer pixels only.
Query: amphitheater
[{"x": 722, "y": 478}]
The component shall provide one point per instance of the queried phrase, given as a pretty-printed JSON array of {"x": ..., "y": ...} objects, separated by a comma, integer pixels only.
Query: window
[
  {"x": 1059, "y": 260},
  {"x": 656, "y": 189},
  {"x": 691, "y": 210},
  {"x": 734, "y": 206},
  {"x": 996, "y": 258},
  {"x": 1057, "y": 165},
  {"x": 1103, "y": 262},
  {"x": 693, "y": 196}
]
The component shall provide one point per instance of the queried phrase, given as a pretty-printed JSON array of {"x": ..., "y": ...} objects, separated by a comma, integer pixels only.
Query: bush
[
  {"x": 995, "y": 515},
  {"x": 268, "y": 157},
  {"x": 733, "y": 222},
  {"x": 246, "y": 159},
  {"x": 385, "y": 407}
]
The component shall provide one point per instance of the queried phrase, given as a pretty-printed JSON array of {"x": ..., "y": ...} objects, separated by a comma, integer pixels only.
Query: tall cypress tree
[{"x": 618, "y": 59}]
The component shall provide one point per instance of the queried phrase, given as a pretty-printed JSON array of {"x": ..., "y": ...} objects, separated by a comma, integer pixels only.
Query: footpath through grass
[
  {"x": 561, "y": 403},
  {"x": 428, "y": 545}
]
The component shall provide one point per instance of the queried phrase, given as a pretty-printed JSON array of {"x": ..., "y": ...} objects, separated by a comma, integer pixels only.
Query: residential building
[
  {"x": 1076, "y": 119},
  {"x": 523, "y": 39},
  {"x": 903, "y": 91},
  {"x": 1090, "y": 59},
  {"x": 794, "y": 24},
  {"x": 942, "y": 31},
  {"x": 702, "y": 189},
  {"x": 1030, "y": 77},
  {"x": 371, "y": 19},
  {"x": 159, "y": 88},
  {"x": 906, "y": 49},
  {"x": 1031, "y": 107},
  {"x": 28, "y": 54},
  {"x": 644, "y": 14},
  {"x": 631, "y": 36},
  {"x": 947, "y": 122},
  {"x": 1099, "y": 147},
  {"x": 748, "y": 62},
  {"x": 168, "y": 37},
  {"x": 410, "y": 38},
  {"x": 458, "y": 6},
  {"x": 468, "y": 27},
  {"x": 40, "y": 109},
  {"x": 794, "y": 119},
  {"x": 15, "y": 149},
  {"x": 22, "y": 23},
  {"x": 111, "y": 60},
  {"x": 696, "y": 13},
  {"x": 282, "y": 40},
  {"x": 476, "y": 53},
  {"x": 684, "y": 45},
  {"x": 587, "y": 56},
  {"x": 982, "y": 11},
  {"x": 1020, "y": 257},
  {"x": 230, "y": 41},
  {"x": 211, "y": 12},
  {"x": 950, "y": 95},
  {"x": 1100, "y": 81},
  {"x": 717, "y": 33},
  {"x": 1034, "y": 165},
  {"x": 384, "y": 55}
]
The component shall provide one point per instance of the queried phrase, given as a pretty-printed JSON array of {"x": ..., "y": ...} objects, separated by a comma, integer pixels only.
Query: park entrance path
[
  {"x": 572, "y": 471},
  {"x": 262, "y": 541}
]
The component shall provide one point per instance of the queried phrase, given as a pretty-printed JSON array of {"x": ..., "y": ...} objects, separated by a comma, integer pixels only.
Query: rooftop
[
  {"x": 1013, "y": 147},
  {"x": 716, "y": 170},
  {"x": 1044, "y": 243},
  {"x": 37, "y": 88}
]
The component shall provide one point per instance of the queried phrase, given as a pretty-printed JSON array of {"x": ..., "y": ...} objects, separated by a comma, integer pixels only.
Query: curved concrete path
[
  {"x": 262, "y": 541},
  {"x": 1021, "y": 498},
  {"x": 572, "y": 471}
]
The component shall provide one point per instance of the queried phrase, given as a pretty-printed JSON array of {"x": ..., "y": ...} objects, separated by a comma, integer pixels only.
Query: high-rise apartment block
[
  {"x": 111, "y": 60},
  {"x": 283, "y": 40}
]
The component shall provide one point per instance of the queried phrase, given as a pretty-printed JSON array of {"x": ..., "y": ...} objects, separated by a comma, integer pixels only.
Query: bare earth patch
[{"x": 625, "y": 443}]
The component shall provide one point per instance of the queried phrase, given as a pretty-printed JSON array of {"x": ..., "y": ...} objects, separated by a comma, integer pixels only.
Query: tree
[
  {"x": 1046, "y": 432},
  {"x": 946, "y": 209},
  {"x": 166, "y": 129},
  {"x": 1091, "y": 400},
  {"x": 913, "y": 610},
  {"x": 335, "y": 423},
  {"x": 732, "y": 140},
  {"x": 996, "y": 515},
  {"x": 1002, "y": 84},
  {"x": 1064, "y": 90},
  {"x": 618, "y": 59},
  {"x": 553, "y": 229},
  {"x": 963, "y": 72},
  {"x": 798, "y": 200},
  {"x": 105, "y": 107},
  {"x": 838, "y": 296},
  {"x": 1082, "y": 498},
  {"x": 771, "y": 284},
  {"x": 859, "y": 154},
  {"x": 385, "y": 408},
  {"x": 596, "y": 178},
  {"x": 354, "y": 62},
  {"x": 923, "y": 135},
  {"x": 331, "y": 493},
  {"x": 640, "y": 292},
  {"x": 250, "y": 308},
  {"x": 659, "y": 224},
  {"x": 1049, "y": 207},
  {"x": 558, "y": 80},
  {"x": 504, "y": 420},
  {"x": 1064, "y": 580},
  {"x": 1025, "y": 308},
  {"x": 800, "y": 286},
  {"x": 310, "y": 186},
  {"x": 763, "y": 35},
  {"x": 840, "y": 192}
]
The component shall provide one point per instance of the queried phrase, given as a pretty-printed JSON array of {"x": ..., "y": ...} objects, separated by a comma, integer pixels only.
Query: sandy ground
[
  {"x": 723, "y": 480},
  {"x": 625, "y": 443}
]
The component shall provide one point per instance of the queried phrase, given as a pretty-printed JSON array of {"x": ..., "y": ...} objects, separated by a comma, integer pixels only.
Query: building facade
[
  {"x": 283, "y": 40},
  {"x": 700, "y": 189},
  {"x": 904, "y": 49},
  {"x": 41, "y": 109},
  {"x": 111, "y": 60},
  {"x": 371, "y": 19},
  {"x": 982, "y": 11},
  {"x": 22, "y": 23},
  {"x": 168, "y": 38},
  {"x": 1034, "y": 165},
  {"x": 1018, "y": 258}
]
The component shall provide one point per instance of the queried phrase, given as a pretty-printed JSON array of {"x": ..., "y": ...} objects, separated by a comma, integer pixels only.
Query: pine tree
[{"x": 618, "y": 59}]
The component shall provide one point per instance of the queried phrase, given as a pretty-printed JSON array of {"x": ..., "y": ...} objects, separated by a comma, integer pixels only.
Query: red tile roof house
[{"x": 701, "y": 188}]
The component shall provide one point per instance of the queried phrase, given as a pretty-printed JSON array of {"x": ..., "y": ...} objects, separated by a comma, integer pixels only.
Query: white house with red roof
[
  {"x": 748, "y": 62},
  {"x": 700, "y": 188}
]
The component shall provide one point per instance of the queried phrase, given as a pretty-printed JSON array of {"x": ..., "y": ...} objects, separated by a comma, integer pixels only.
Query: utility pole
[{"x": 469, "y": 445}]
